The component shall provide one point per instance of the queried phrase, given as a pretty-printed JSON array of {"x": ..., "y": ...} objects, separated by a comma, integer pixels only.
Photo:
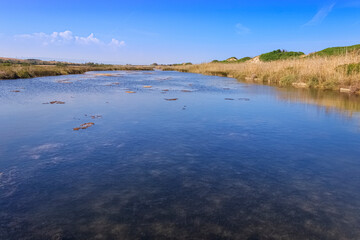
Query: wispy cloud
[
  {"x": 241, "y": 29},
  {"x": 320, "y": 15},
  {"x": 67, "y": 37}
]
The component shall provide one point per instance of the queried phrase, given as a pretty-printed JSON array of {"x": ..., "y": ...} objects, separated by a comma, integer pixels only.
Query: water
[{"x": 269, "y": 164}]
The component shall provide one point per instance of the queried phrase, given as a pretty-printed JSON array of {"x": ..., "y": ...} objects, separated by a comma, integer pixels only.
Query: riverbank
[
  {"x": 338, "y": 73},
  {"x": 15, "y": 71}
]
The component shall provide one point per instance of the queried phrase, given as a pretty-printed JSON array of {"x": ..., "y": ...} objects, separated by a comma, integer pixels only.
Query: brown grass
[
  {"x": 312, "y": 72},
  {"x": 19, "y": 71}
]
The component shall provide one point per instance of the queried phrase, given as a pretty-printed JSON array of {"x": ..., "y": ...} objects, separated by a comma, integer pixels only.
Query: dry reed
[{"x": 313, "y": 72}]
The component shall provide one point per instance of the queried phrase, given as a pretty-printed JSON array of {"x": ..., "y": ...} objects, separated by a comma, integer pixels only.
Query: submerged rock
[
  {"x": 95, "y": 116},
  {"x": 55, "y": 102},
  {"x": 63, "y": 81},
  {"x": 300, "y": 85},
  {"x": 84, "y": 126},
  {"x": 112, "y": 84},
  {"x": 105, "y": 74},
  {"x": 345, "y": 90},
  {"x": 163, "y": 78},
  {"x": 230, "y": 99}
]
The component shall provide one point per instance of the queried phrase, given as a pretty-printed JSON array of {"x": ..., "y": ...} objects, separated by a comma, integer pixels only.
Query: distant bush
[
  {"x": 244, "y": 59},
  {"x": 279, "y": 55},
  {"x": 233, "y": 60},
  {"x": 61, "y": 64},
  {"x": 34, "y": 61}
]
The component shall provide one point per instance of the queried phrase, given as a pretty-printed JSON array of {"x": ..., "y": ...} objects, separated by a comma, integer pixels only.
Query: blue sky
[{"x": 143, "y": 32}]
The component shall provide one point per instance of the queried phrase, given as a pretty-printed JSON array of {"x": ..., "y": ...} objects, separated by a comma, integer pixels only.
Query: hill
[
  {"x": 280, "y": 55},
  {"x": 337, "y": 51}
]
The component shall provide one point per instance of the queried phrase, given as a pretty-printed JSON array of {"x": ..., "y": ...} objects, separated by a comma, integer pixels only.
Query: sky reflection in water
[{"x": 269, "y": 164}]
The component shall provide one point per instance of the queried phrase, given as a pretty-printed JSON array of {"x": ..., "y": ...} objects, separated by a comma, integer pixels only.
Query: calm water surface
[{"x": 226, "y": 160}]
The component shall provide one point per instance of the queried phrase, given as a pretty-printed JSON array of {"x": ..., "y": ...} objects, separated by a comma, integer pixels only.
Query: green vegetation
[
  {"x": 244, "y": 59},
  {"x": 180, "y": 64},
  {"x": 233, "y": 60},
  {"x": 30, "y": 61},
  {"x": 280, "y": 55},
  {"x": 350, "y": 69},
  {"x": 336, "y": 51}
]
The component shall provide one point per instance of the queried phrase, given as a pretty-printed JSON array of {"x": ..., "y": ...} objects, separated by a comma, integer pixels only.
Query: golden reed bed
[
  {"x": 15, "y": 71},
  {"x": 314, "y": 72}
]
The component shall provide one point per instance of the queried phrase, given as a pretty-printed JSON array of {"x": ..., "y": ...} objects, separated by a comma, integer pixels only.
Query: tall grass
[
  {"x": 14, "y": 71},
  {"x": 315, "y": 72}
]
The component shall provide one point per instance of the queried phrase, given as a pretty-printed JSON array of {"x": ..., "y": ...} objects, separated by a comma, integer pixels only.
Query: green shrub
[
  {"x": 61, "y": 64},
  {"x": 23, "y": 74},
  {"x": 349, "y": 69},
  {"x": 330, "y": 84},
  {"x": 243, "y": 59},
  {"x": 233, "y": 60},
  {"x": 279, "y": 55},
  {"x": 287, "y": 80},
  {"x": 313, "y": 82},
  {"x": 352, "y": 68}
]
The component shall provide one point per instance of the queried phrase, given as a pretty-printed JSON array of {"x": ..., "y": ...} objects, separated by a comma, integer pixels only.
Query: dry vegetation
[
  {"x": 332, "y": 72},
  {"x": 14, "y": 71}
]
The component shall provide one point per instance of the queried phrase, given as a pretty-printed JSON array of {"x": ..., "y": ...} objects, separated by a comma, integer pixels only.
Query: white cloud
[
  {"x": 67, "y": 37},
  {"x": 320, "y": 15},
  {"x": 87, "y": 40},
  {"x": 116, "y": 43},
  {"x": 241, "y": 29}
]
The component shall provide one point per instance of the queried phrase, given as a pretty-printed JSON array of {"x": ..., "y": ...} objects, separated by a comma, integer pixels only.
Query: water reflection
[
  {"x": 200, "y": 167},
  {"x": 332, "y": 101}
]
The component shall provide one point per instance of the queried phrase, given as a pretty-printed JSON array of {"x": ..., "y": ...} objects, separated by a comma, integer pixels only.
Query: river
[{"x": 169, "y": 155}]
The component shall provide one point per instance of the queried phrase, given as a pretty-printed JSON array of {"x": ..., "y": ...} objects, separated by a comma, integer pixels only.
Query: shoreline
[
  {"x": 323, "y": 73},
  {"x": 286, "y": 73},
  {"x": 14, "y": 72}
]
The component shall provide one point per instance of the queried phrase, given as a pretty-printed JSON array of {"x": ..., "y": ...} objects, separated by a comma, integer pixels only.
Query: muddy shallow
[{"x": 176, "y": 156}]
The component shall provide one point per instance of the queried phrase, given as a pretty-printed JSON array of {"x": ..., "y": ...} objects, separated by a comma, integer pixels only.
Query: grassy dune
[
  {"x": 332, "y": 73},
  {"x": 14, "y": 71}
]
